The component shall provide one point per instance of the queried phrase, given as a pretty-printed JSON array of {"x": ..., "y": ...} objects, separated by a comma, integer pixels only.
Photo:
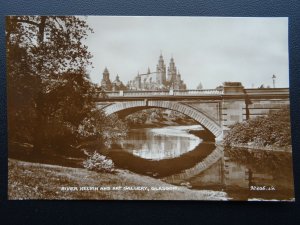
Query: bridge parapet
[
  {"x": 227, "y": 91},
  {"x": 131, "y": 93},
  {"x": 202, "y": 92},
  {"x": 263, "y": 92}
]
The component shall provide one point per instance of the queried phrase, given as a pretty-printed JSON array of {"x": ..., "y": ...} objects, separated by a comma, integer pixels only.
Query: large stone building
[
  {"x": 161, "y": 79},
  {"x": 158, "y": 80},
  {"x": 107, "y": 85}
]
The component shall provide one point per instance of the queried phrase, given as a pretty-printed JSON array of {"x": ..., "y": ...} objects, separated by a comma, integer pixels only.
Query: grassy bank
[{"x": 42, "y": 181}]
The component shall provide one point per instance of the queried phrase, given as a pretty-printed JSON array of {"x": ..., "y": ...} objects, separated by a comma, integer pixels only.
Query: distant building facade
[
  {"x": 107, "y": 85},
  {"x": 160, "y": 79}
]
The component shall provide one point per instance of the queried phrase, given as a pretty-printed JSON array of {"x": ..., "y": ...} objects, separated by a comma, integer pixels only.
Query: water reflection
[
  {"x": 161, "y": 143},
  {"x": 249, "y": 174},
  {"x": 177, "y": 157}
]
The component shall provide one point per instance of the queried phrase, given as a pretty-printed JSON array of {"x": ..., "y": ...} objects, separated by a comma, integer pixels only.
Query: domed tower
[
  {"x": 161, "y": 71},
  {"x": 105, "y": 82},
  {"x": 117, "y": 84}
]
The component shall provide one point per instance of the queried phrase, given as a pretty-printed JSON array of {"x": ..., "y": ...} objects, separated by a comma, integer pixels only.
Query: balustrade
[{"x": 203, "y": 92}]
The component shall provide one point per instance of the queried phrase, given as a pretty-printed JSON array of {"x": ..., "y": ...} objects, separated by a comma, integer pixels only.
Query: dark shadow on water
[{"x": 159, "y": 168}]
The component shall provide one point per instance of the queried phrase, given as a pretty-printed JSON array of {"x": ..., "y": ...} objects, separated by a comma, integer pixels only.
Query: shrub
[
  {"x": 99, "y": 163},
  {"x": 271, "y": 130}
]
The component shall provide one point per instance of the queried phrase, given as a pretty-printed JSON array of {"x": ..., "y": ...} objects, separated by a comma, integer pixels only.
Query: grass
[{"x": 29, "y": 180}]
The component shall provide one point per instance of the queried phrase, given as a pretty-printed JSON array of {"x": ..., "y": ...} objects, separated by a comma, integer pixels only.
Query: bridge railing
[
  {"x": 198, "y": 92},
  {"x": 134, "y": 93},
  {"x": 145, "y": 93}
]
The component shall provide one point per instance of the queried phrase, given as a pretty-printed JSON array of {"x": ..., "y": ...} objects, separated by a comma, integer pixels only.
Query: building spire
[
  {"x": 172, "y": 59},
  {"x": 105, "y": 82}
]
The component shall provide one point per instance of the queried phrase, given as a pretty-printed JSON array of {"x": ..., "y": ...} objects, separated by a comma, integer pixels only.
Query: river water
[{"x": 174, "y": 155}]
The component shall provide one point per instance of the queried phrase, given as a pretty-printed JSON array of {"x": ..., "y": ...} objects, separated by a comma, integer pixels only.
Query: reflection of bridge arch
[
  {"x": 206, "y": 163},
  {"x": 197, "y": 115}
]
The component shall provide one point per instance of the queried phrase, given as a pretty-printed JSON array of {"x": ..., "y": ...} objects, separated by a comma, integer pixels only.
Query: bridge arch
[{"x": 197, "y": 115}]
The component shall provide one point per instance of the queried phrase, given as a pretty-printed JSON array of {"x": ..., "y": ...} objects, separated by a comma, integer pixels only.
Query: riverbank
[
  {"x": 163, "y": 123},
  {"x": 42, "y": 181},
  {"x": 253, "y": 147},
  {"x": 204, "y": 135}
]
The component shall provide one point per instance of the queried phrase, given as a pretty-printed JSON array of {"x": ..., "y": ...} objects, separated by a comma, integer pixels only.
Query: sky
[{"x": 210, "y": 50}]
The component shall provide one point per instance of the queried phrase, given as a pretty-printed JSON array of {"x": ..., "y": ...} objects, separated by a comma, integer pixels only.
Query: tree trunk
[
  {"x": 42, "y": 30},
  {"x": 38, "y": 138}
]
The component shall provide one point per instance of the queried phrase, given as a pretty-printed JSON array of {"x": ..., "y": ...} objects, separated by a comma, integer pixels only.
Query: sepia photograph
[{"x": 148, "y": 108}]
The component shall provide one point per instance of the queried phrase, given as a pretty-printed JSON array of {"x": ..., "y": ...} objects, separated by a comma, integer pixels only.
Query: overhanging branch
[{"x": 26, "y": 21}]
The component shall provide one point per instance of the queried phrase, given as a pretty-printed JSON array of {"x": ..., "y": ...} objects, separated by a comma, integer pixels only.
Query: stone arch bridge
[{"x": 214, "y": 109}]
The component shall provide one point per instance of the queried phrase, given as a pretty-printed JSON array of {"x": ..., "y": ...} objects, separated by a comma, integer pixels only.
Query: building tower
[
  {"x": 138, "y": 82},
  {"x": 105, "y": 82},
  {"x": 172, "y": 71},
  {"x": 178, "y": 77},
  {"x": 117, "y": 84},
  {"x": 161, "y": 71}
]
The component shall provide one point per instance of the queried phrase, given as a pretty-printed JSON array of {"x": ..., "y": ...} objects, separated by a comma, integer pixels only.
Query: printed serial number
[{"x": 262, "y": 188}]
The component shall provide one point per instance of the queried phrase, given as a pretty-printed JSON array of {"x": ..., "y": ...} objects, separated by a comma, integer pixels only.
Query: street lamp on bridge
[{"x": 273, "y": 77}]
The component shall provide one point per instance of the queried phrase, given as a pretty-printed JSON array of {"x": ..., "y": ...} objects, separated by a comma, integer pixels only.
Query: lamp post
[{"x": 273, "y": 77}]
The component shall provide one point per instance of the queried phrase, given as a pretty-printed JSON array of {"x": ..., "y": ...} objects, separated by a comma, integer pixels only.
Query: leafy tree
[
  {"x": 53, "y": 43},
  {"x": 50, "y": 96},
  {"x": 137, "y": 118},
  {"x": 49, "y": 46}
]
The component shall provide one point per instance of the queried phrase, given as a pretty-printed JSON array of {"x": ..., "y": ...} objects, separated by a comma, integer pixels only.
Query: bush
[
  {"x": 99, "y": 163},
  {"x": 271, "y": 130}
]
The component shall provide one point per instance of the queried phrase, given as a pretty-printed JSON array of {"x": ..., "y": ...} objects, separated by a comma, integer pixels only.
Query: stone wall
[
  {"x": 261, "y": 107},
  {"x": 233, "y": 111},
  {"x": 210, "y": 108}
]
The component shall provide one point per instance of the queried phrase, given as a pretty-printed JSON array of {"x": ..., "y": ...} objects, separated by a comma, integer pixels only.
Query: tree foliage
[
  {"x": 53, "y": 44},
  {"x": 50, "y": 97},
  {"x": 271, "y": 130},
  {"x": 157, "y": 116}
]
